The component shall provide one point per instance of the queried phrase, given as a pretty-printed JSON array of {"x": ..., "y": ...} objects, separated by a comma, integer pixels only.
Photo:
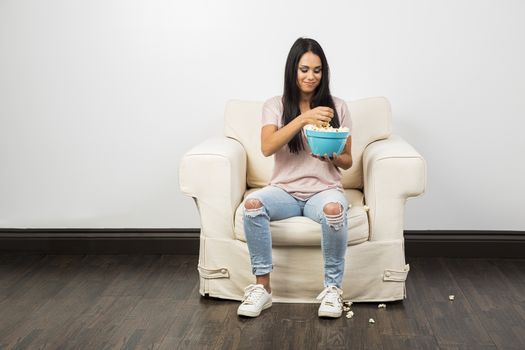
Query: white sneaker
[
  {"x": 331, "y": 302},
  {"x": 256, "y": 299}
]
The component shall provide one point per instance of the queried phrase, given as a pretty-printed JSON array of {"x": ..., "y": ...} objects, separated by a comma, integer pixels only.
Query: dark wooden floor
[{"x": 152, "y": 302}]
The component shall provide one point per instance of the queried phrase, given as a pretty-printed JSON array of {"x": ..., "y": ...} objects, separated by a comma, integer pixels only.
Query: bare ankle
[{"x": 265, "y": 281}]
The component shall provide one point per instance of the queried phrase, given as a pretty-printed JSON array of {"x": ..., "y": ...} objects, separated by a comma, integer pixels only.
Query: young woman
[{"x": 301, "y": 184}]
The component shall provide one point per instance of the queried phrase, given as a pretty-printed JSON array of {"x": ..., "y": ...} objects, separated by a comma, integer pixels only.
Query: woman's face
[{"x": 309, "y": 72}]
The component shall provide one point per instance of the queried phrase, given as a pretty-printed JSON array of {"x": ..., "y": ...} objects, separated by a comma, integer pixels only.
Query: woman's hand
[
  {"x": 344, "y": 160},
  {"x": 326, "y": 158},
  {"x": 319, "y": 116}
]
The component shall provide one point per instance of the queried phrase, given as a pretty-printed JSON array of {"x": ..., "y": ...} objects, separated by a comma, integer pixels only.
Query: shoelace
[
  {"x": 252, "y": 294},
  {"x": 330, "y": 295}
]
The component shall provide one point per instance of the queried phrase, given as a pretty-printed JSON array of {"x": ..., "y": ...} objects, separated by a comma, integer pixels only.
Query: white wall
[{"x": 100, "y": 99}]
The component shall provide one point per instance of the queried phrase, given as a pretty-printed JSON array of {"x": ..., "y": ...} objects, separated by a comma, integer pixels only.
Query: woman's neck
[
  {"x": 304, "y": 105},
  {"x": 304, "y": 102},
  {"x": 305, "y": 98}
]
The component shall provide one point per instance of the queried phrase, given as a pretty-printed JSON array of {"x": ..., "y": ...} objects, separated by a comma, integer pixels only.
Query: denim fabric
[{"x": 277, "y": 204}]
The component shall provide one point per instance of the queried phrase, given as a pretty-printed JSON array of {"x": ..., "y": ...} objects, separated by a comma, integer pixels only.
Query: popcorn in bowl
[{"x": 327, "y": 128}]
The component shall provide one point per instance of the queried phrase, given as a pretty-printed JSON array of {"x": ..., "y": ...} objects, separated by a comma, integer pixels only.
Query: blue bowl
[{"x": 323, "y": 142}]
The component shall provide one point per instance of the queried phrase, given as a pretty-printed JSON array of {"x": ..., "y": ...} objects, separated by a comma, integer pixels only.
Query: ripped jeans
[{"x": 277, "y": 204}]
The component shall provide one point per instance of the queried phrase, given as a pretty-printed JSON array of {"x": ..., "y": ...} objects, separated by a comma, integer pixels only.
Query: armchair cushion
[{"x": 303, "y": 231}]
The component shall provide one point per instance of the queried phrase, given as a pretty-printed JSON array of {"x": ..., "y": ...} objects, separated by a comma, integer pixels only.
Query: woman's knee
[
  {"x": 333, "y": 208},
  {"x": 252, "y": 203}
]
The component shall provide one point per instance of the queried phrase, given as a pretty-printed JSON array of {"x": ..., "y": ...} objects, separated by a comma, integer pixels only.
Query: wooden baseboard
[
  {"x": 432, "y": 243},
  {"x": 465, "y": 244},
  {"x": 100, "y": 241}
]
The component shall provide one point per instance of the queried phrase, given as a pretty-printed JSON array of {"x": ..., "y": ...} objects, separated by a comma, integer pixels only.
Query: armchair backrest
[{"x": 371, "y": 121}]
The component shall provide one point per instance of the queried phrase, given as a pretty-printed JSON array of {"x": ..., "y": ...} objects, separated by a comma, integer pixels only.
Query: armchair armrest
[
  {"x": 214, "y": 174},
  {"x": 393, "y": 171}
]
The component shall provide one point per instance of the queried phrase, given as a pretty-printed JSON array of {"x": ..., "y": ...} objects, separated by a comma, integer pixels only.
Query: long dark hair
[{"x": 291, "y": 95}]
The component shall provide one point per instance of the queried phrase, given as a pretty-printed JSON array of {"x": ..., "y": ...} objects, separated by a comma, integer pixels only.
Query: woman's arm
[
  {"x": 344, "y": 160},
  {"x": 272, "y": 138}
]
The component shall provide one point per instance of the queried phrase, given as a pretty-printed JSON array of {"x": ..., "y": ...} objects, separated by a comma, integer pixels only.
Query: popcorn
[
  {"x": 381, "y": 306},
  {"x": 371, "y": 321},
  {"x": 346, "y": 308},
  {"x": 327, "y": 128},
  {"x": 451, "y": 297}
]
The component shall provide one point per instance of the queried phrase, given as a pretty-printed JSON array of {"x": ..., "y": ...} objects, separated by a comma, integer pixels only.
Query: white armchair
[{"x": 219, "y": 172}]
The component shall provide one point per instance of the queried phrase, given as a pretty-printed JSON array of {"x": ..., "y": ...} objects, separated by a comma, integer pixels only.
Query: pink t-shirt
[{"x": 302, "y": 175}]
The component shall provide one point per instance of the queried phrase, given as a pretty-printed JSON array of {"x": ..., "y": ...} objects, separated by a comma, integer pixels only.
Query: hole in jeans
[
  {"x": 253, "y": 207},
  {"x": 334, "y": 221},
  {"x": 254, "y": 212}
]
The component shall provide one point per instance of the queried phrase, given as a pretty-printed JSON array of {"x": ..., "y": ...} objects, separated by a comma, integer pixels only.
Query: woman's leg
[
  {"x": 329, "y": 208},
  {"x": 261, "y": 207}
]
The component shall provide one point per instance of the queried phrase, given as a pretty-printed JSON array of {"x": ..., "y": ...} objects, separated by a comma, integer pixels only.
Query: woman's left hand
[
  {"x": 326, "y": 158},
  {"x": 344, "y": 160}
]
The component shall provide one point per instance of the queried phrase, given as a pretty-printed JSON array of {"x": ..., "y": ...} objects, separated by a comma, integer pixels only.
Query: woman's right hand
[{"x": 319, "y": 116}]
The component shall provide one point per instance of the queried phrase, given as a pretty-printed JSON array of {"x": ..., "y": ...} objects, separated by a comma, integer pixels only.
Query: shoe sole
[
  {"x": 254, "y": 313},
  {"x": 329, "y": 314}
]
